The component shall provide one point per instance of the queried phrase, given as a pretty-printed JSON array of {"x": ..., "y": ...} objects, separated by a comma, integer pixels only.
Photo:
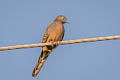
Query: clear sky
[{"x": 25, "y": 21}]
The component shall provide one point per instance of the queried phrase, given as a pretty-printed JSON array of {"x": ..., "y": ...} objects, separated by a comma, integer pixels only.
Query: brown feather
[
  {"x": 54, "y": 32},
  {"x": 40, "y": 63}
]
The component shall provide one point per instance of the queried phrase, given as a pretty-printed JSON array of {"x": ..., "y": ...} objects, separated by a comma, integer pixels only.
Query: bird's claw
[{"x": 55, "y": 43}]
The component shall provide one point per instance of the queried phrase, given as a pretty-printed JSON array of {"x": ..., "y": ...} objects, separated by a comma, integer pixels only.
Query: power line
[{"x": 60, "y": 42}]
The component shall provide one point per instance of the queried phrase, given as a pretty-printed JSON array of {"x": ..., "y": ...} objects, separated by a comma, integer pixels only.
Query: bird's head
[{"x": 61, "y": 18}]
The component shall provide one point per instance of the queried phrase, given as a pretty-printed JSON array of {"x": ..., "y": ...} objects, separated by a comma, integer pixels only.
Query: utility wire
[{"x": 60, "y": 42}]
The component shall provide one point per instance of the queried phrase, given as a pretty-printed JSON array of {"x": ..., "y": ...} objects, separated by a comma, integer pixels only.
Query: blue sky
[{"x": 25, "y": 21}]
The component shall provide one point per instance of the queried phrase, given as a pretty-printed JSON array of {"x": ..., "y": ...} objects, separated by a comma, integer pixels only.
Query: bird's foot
[
  {"x": 55, "y": 43},
  {"x": 52, "y": 43}
]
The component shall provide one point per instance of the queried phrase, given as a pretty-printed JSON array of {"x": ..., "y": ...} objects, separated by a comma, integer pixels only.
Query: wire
[{"x": 60, "y": 42}]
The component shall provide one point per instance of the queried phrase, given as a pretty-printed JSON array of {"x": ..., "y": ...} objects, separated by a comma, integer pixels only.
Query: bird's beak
[{"x": 67, "y": 22}]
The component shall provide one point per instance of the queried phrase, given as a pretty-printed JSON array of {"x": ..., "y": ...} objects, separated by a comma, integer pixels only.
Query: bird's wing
[{"x": 49, "y": 30}]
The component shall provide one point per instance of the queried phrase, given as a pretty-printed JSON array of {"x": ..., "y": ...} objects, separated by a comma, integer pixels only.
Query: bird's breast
[{"x": 57, "y": 34}]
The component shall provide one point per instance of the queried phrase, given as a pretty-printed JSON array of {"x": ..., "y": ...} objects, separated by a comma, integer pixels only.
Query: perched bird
[{"x": 54, "y": 32}]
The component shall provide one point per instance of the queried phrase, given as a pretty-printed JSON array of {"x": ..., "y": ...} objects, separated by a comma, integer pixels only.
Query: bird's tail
[{"x": 40, "y": 63}]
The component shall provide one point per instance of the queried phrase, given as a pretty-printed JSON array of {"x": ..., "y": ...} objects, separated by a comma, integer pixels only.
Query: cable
[{"x": 60, "y": 42}]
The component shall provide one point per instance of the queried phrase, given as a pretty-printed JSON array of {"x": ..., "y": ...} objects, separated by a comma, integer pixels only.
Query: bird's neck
[{"x": 58, "y": 22}]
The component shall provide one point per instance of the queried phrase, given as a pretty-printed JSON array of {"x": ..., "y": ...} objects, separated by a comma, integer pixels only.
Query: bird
[{"x": 54, "y": 32}]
